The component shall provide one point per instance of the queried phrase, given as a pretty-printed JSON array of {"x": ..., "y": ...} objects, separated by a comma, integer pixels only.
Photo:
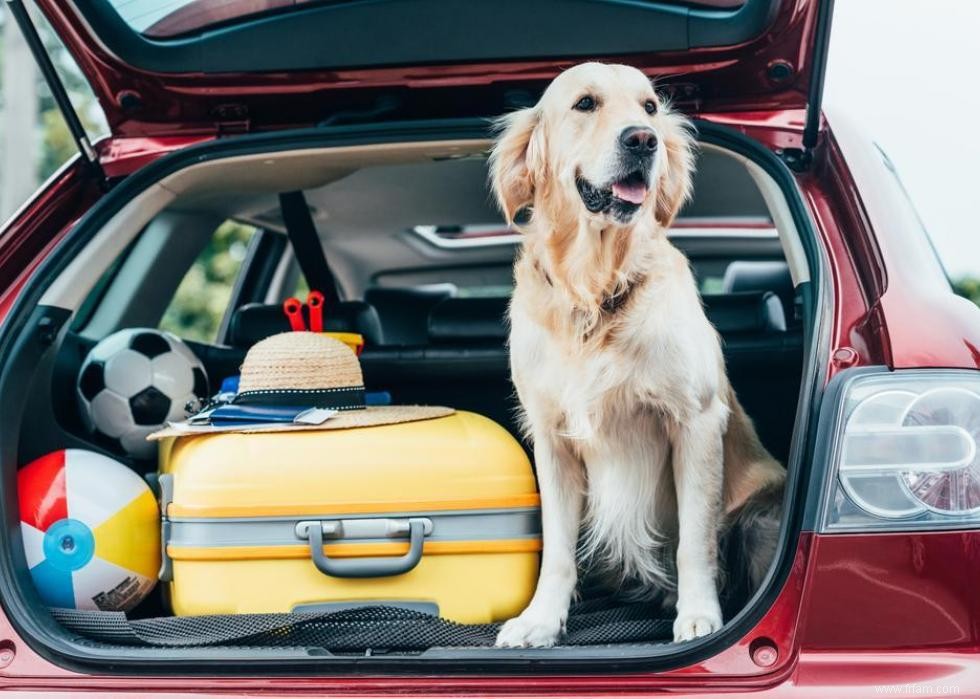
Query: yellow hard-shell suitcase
[{"x": 441, "y": 515}]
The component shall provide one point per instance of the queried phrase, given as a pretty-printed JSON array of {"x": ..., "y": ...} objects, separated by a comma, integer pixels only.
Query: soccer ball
[{"x": 135, "y": 381}]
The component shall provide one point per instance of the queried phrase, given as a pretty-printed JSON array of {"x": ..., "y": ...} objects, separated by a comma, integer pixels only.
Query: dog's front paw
[
  {"x": 532, "y": 629},
  {"x": 696, "y": 623}
]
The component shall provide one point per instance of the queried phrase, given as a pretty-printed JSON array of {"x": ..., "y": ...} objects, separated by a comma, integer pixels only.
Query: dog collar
[{"x": 611, "y": 304}]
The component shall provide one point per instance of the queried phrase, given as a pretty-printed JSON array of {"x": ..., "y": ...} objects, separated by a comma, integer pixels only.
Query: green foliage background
[
  {"x": 968, "y": 287},
  {"x": 199, "y": 305},
  {"x": 57, "y": 144}
]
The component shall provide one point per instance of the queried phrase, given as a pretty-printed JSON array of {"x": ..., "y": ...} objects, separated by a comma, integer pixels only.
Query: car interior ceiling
[{"x": 433, "y": 317}]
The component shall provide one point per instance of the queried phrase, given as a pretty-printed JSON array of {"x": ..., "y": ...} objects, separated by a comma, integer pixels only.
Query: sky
[{"x": 908, "y": 72}]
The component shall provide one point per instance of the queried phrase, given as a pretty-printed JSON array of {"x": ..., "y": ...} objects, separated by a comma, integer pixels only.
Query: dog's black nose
[{"x": 638, "y": 140}]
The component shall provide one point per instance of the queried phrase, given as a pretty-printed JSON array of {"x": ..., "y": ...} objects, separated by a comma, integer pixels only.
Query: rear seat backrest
[
  {"x": 257, "y": 321},
  {"x": 761, "y": 275},
  {"x": 465, "y": 362},
  {"x": 404, "y": 313},
  {"x": 468, "y": 320},
  {"x": 745, "y": 313}
]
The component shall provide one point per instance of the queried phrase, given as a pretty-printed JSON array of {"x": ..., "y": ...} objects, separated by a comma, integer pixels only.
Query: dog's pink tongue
[{"x": 633, "y": 193}]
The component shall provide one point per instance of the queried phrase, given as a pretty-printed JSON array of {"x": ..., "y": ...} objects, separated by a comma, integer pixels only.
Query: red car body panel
[
  {"x": 856, "y": 611},
  {"x": 33, "y": 231},
  {"x": 140, "y": 103},
  {"x": 910, "y": 297},
  {"x": 123, "y": 156},
  {"x": 909, "y": 595}
]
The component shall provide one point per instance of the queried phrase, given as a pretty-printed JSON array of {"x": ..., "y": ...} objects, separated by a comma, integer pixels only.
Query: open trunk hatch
[{"x": 210, "y": 66}]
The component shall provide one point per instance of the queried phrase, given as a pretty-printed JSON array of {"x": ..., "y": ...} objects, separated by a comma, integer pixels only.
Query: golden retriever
[{"x": 637, "y": 433}]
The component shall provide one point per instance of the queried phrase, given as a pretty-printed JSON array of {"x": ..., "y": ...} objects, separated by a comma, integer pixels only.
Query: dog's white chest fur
[
  {"x": 615, "y": 408},
  {"x": 664, "y": 358}
]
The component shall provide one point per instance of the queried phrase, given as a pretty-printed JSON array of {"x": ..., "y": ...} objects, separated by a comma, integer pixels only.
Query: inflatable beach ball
[{"x": 91, "y": 531}]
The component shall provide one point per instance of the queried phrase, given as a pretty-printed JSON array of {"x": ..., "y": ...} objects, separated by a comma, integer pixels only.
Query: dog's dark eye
[
  {"x": 586, "y": 104},
  {"x": 650, "y": 106}
]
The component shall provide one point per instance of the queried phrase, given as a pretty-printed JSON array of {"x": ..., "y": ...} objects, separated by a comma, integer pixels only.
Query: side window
[
  {"x": 711, "y": 284},
  {"x": 201, "y": 300},
  {"x": 302, "y": 287}
]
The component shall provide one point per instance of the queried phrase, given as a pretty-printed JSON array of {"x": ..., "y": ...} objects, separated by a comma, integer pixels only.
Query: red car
[{"x": 842, "y": 335}]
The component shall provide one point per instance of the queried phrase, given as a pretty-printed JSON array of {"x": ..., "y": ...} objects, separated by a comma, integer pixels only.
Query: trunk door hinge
[
  {"x": 57, "y": 87},
  {"x": 796, "y": 159}
]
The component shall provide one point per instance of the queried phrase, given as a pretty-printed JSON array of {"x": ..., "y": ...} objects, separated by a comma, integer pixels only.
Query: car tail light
[{"x": 905, "y": 453}]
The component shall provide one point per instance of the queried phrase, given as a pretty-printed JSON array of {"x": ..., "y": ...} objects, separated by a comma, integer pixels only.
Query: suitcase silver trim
[{"x": 471, "y": 525}]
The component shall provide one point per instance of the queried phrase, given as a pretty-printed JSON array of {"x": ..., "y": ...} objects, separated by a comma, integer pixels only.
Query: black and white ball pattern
[{"x": 134, "y": 382}]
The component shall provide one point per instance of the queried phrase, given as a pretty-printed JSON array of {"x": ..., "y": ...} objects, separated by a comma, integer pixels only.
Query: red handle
[
  {"x": 315, "y": 303},
  {"x": 294, "y": 314}
]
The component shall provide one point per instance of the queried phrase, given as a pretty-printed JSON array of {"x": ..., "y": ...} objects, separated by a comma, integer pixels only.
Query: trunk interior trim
[
  {"x": 249, "y": 172},
  {"x": 48, "y": 639}
]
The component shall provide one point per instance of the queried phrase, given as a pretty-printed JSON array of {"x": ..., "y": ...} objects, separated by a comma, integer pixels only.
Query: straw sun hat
[{"x": 305, "y": 369}]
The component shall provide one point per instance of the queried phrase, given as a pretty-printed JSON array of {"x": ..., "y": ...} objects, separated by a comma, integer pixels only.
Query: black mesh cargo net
[{"x": 592, "y": 622}]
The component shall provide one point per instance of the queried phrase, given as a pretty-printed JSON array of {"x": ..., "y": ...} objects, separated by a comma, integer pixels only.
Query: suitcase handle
[{"x": 366, "y": 567}]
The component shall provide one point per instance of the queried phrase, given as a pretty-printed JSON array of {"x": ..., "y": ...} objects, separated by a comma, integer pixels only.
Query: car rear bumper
[{"x": 816, "y": 674}]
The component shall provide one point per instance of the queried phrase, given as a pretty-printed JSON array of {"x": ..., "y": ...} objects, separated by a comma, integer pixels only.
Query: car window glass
[
  {"x": 169, "y": 18},
  {"x": 201, "y": 300},
  {"x": 302, "y": 288}
]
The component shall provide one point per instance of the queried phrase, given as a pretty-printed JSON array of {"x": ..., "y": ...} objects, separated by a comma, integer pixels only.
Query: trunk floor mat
[{"x": 592, "y": 622}]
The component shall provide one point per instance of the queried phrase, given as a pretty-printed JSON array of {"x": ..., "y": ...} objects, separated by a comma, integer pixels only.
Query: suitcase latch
[{"x": 314, "y": 531}]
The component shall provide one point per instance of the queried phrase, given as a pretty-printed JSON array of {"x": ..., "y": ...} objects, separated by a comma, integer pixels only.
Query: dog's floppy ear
[
  {"x": 514, "y": 161},
  {"x": 676, "y": 179}
]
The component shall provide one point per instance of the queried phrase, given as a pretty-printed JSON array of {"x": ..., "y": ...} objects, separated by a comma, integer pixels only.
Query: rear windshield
[
  {"x": 165, "y": 19},
  {"x": 169, "y": 18}
]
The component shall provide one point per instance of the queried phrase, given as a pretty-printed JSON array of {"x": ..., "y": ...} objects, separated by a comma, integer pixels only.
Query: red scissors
[{"x": 293, "y": 309}]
